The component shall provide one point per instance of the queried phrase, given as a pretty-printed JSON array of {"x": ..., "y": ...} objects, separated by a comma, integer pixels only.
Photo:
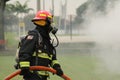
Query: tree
[
  {"x": 21, "y": 11},
  {"x": 18, "y": 8},
  {"x": 80, "y": 12},
  {"x": 94, "y": 5},
  {"x": 15, "y": 11},
  {"x": 10, "y": 18},
  {"x": 2, "y": 8},
  {"x": 27, "y": 20}
]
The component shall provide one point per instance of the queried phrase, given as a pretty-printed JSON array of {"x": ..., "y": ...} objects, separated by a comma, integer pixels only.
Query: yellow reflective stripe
[
  {"x": 24, "y": 64},
  {"x": 43, "y": 55},
  {"x": 45, "y": 73},
  {"x": 49, "y": 16},
  {"x": 55, "y": 62},
  {"x": 43, "y": 15}
]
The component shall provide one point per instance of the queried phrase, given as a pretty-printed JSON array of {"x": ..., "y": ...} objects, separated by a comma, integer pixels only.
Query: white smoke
[{"x": 105, "y": 29}]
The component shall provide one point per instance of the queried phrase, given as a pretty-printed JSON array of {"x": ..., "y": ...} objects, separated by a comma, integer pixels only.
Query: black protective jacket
[{"x": 37, "y": 49}]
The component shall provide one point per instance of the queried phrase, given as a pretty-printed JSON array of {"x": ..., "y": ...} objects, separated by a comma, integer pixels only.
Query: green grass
[
  {"x": 77, "y": 67},
  {"x": 11, "y": 39}
]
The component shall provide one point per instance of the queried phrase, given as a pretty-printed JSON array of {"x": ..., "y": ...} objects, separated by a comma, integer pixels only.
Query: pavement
[{"x": 73, "y": 39}]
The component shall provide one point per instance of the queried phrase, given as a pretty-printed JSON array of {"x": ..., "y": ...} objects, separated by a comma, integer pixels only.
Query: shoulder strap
[
  {"x": 38, "y": 44},
  {"x": 39, "y": 36}
]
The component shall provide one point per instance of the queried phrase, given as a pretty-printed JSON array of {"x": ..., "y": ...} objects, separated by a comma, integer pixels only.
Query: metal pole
[
  {"x": 71, "y": 27},
  {"x": 43, "y": 4},
  {"x": 65, "y": 13},
  {"x": 53, "y": 7},
  {"x": 60, "y": 15},
  {"x": 38, "y": 5},
  {"x": 19, "y": 31}
]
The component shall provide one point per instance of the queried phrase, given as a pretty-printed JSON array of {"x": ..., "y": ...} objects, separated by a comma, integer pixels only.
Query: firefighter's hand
[
  {"x": 58, "y": 69},
  {"x": 25, "y": 71},
  {"x": 16, "y": 66}
]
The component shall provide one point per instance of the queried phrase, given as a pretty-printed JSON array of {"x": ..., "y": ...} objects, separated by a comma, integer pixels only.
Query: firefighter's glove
[
  {"x": 17, "y": 66},
  {"x": 58, "y": 69},
  {"x": 24, "y": 66}
]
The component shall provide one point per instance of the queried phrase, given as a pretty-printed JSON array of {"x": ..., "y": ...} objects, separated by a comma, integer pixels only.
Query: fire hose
[{"x": 12, "y": 75}]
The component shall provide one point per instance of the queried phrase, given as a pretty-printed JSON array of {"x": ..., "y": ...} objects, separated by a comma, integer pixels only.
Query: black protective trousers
[{"x": 34, "y": 77}]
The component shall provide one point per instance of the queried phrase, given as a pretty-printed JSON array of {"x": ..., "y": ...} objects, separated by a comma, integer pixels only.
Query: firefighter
[{"x": 37, "y": 49}]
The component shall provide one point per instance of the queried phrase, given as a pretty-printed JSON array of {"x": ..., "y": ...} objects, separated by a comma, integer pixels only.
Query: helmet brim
[{"x": 36, "y": 19}]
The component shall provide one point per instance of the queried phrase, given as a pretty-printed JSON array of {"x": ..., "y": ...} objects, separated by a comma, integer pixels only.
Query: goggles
[{"x": 40, "y": 22}]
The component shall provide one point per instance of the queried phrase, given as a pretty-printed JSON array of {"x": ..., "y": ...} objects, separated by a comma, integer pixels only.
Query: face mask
[{"x": 40, "y": 22}]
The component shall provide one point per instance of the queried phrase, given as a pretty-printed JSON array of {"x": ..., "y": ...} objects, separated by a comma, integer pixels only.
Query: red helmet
[{"x": 42, "y": 15}]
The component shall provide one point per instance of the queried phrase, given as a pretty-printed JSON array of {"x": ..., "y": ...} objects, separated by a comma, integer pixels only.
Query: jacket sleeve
[
  {"x": 55, "y": 65},
  {"x": 27, "y": 49},
  {"x": 54, "y": 58}
]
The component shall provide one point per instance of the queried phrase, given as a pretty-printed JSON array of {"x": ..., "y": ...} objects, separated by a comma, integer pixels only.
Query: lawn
[{"x": 77, "y": 67}]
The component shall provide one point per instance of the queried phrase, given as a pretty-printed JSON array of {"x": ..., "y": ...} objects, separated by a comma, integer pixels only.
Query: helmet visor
[{"x": 40, "y": 22}]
